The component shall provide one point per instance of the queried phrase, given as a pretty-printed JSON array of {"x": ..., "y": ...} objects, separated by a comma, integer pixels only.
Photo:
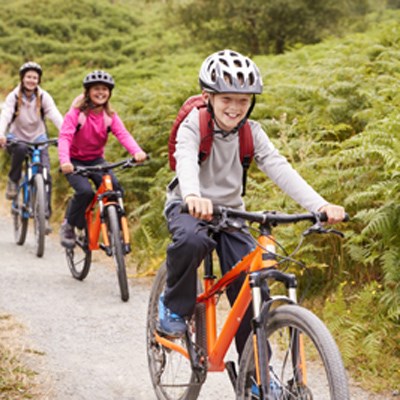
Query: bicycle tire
[
  {"x": 116, "y": 242},
  {"x": 39, "y": 213},
  {"x": 79, "y": 258},
  {"x": 171, "y": 374},
  {"x": 326, "y": 376},
  {"x": 20, "y": 217}
]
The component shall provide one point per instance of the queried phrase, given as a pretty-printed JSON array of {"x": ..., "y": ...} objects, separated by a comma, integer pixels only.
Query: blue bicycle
[{"x": 32, "y": 196}]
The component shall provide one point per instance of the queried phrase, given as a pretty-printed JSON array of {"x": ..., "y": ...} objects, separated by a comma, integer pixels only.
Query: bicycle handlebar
[
  {"x": 267, "y": 217},
  {"x": 47, "y": 142},
  {"x": 127, "y": 163}
]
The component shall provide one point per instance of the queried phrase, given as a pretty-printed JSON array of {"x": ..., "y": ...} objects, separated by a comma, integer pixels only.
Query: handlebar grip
[{"x": 323, "y": 217}]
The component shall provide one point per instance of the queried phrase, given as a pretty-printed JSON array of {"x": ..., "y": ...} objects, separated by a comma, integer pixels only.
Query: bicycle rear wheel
[
  {"x": 322, "y": 368},
  {"x": 116, "y": 241},
  {"x": 171, "y": 372},
  {"x": 79, "y": 257},
  {"x": 39, "y": 213},
  {"x": 20, "y": 217}
]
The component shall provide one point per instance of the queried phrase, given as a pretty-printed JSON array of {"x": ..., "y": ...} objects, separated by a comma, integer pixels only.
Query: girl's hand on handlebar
[
  {"x": 140, "y": 156},
  {"x": 199, "y": 207},
  {"x": 3, "y": 141},
  {"x": 67, "y": 168},
  {"x": 334, "y": 213}
]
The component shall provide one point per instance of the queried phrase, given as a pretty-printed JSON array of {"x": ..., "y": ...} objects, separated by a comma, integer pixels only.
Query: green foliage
[
  {"x": 260, "y": 27},
  {"x": 362, "y": 329}
]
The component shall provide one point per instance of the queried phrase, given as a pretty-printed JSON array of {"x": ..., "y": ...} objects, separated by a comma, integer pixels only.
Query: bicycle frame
[
  {"x": 273, "y": 362},
  {"x": 95, "y": 216},
  {"x": 33, "y": 163},
  {"x": 218, "y": 345}
]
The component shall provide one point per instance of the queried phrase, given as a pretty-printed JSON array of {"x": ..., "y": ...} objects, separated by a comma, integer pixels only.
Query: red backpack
[{"x": 246, "y": 145}]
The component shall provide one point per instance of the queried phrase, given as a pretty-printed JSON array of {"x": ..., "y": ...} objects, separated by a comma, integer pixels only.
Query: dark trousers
[
  {"x": 190, "y": 244},
  {"x": 84, "y": 192},
  {"x": 18, "y": 152}
]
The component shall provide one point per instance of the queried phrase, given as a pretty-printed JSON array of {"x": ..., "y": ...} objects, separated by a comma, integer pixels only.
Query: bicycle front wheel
[
  {"x": 20, "y": 217},
  {"x": 299, "y": 346},
  {"x": 39, "y": 213},
  {"x": 79, "y": 257},
  {"x": 170, "y": 371},
  {"x": 116, "y": 241}
]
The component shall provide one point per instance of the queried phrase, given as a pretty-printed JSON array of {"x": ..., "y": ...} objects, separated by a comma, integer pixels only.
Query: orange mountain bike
[
  {"x": 290, "y": 354},
  {"x": 105, "y": 218}
]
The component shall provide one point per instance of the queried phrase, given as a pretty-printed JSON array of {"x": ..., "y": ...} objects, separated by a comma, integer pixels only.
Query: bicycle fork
[
  {"x": 123, "y": 223},
  {"x": 262, "y": 302}
]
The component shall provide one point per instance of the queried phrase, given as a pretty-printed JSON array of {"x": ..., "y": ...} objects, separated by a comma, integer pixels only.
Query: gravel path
[{"x": 92, "y": 344}]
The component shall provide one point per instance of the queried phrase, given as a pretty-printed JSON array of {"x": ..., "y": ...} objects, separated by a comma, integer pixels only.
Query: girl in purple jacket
[{"x": 82, "y": 140}]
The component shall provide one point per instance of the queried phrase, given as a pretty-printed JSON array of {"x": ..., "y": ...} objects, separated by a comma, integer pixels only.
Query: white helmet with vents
[{"x": 228, "y": 71}]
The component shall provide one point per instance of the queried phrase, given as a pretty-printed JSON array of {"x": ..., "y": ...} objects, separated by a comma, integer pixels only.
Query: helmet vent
[
  {"x": 228, "y": 78},
  {"x": 251, "y": 79},
  {"x": 240, "y": 78}
]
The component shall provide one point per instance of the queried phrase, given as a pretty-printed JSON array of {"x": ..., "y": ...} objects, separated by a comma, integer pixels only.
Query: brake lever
[
  {"x": 319, "y": 228},
  {"x": 335, "y": 232},
  {"x": 227, "y": 224}
]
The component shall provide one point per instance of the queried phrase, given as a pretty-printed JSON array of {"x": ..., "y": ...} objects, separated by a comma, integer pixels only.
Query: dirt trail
[
  {"x": 93, "y": 344},
  {"x": 90, "y": 344}
]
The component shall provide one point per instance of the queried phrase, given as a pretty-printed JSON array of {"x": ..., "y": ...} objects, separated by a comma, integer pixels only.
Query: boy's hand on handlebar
[
  {"x": 199, "y": 207},
  {"x": 67, "y": 168},
  {"x": 3, "y": 141},
  {"x": 334, "y": 213},
  {"x": 140, "y": 156}
]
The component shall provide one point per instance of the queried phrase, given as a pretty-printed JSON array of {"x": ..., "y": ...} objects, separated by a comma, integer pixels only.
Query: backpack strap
[
  {"x": 107, "y": 122},
  {"x": 206, "y": 133},
  {"x": 82, "y": 120},
  {"x": 15, "y": 110},
  {"x": 246, "y": 148}
]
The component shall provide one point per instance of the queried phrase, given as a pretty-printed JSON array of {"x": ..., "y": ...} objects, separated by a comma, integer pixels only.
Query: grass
[{"x": 17, "y": 380}]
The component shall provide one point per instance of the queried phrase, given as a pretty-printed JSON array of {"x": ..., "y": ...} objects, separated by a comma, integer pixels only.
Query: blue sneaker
[{"x": 170, "y": 324}]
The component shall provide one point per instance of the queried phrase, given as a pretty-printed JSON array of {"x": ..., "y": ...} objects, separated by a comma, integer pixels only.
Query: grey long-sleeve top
[
  {"x": 219, "y": 177},
  {"x": 29, "y": 124}
]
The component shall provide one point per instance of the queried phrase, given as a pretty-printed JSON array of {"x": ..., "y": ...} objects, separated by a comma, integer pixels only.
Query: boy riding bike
[
  {"x": 82, "y": 141},
  {"x": 229, "y": 82},
  {"x": 23, "y": 115}
]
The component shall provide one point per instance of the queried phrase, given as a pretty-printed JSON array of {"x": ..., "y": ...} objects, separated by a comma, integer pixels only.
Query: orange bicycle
[
  {"x": 290, "y": 354},
  {"x": 105, "y": 215}
]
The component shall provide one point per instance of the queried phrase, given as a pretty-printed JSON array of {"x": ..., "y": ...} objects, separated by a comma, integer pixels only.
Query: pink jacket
[{"x": 89, "y": 142}]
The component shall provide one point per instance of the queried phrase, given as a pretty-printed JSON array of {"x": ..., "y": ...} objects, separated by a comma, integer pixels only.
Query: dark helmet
[
  {"x": 30, "y": 66},
  {"x": 98, "y": 77},
  {"x": 228, "y": 71}
]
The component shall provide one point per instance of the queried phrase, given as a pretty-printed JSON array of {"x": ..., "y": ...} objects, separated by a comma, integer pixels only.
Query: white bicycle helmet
[
  {"x": 99, "y": 77},
  {"x": 228, "y": 71},
  {"x": 30, "y": 66}
]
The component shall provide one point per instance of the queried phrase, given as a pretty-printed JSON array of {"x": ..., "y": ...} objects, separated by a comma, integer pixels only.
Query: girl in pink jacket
[{"x": 82, "y": 140}]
